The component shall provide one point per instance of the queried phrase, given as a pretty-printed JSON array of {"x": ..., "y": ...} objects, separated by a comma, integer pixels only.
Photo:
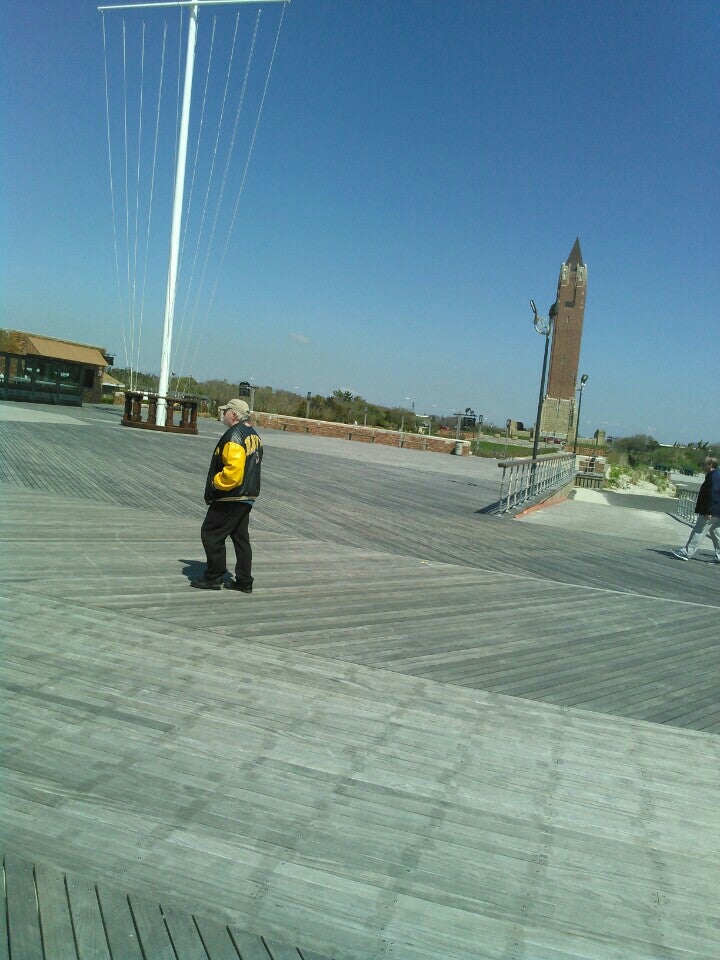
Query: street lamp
[
  {"x": 402, "y": 422},
  {"x": 583, "y": 381},
  {"x": 543, "y": 326}
]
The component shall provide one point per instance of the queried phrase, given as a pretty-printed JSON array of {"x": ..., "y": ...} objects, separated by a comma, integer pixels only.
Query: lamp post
[
  {"x": 583, "y": 381},
  {"x": 543, "y": 326},
  {"x": 402, "y": 422}
]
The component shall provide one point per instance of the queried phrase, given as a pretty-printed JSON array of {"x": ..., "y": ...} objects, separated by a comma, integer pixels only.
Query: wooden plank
[
  {"x": 119, "y": 926},
  {"x": 22, "y": 914},
  {"x": 87, "y": 919},
  {"x": 281, "y": 951},
  {"x": 216, "y": 939},
  {"x": 248, "y": 945},
  {"x": 57, "y": 931},
  {"x": 152, "y": 932},
  {"x": 184, "y": 935}
]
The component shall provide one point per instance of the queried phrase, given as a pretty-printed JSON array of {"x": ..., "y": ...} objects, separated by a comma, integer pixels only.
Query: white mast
[
  {"x": 177, "y": 217},
  {"x": 179, "y": 177}
]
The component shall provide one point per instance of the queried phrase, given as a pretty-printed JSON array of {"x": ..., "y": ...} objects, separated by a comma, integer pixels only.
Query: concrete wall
[{"x": 345, "y": 431}]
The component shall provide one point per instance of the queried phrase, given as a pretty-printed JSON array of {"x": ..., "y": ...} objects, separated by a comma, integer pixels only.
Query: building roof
[
  {"x": 575, "y": 259},
  {"x": 108, "y": 380},
  {"x": 65, "y": 350}
]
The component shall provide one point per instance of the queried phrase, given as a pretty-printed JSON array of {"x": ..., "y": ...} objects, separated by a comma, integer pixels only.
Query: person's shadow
[
  {"x": 670, "y": 555},
  {"x": 193, "y": 569}
]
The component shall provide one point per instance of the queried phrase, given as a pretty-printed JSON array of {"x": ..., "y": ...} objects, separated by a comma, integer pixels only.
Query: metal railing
[
  {"x": 525, "y": 480},
  {"x": 685, "y": 509}
]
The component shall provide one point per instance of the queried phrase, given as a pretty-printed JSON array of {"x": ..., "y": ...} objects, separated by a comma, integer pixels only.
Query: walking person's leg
[
  {"x": 697, "y": 536},
  {"x": 243, "y": 550},
  {"x": 714, "y": 534},
  {"x": 694, "y": 540}
]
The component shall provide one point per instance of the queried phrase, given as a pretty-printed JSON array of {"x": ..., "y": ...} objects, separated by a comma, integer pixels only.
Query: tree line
[
  {"x": 641, "y": 450},
  {"x": 342, "y": 406}
]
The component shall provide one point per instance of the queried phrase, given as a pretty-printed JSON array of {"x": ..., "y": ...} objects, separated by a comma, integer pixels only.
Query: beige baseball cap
[{"x": 240, "y": 407}]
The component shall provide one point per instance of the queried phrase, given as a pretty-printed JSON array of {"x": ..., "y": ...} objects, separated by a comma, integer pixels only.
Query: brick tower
[{"x": 558, "y": 418}]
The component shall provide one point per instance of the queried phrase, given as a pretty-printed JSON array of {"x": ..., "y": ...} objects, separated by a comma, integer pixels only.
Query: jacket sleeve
[
  {"x": 233, "y": 471},
  {"x": 702, "y": 504}
]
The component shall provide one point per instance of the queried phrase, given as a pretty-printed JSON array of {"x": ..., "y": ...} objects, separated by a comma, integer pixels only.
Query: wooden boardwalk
[
  {"x": 384, "y": 752},
  {"x": 614, "y": 652},
  {"x": 49, "y": 914}
]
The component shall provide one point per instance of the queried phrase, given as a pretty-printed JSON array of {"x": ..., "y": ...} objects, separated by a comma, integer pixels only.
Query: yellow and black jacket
[{"x": 235, "y": 467}]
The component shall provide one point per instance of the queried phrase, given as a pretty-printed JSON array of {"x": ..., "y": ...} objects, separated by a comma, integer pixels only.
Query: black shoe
[
  {"x": 241, "y": 587},
  {"x": 205, "y": 584}
]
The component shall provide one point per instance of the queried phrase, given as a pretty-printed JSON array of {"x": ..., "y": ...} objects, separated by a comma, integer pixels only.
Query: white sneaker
[{"x": 681, "y": 553}]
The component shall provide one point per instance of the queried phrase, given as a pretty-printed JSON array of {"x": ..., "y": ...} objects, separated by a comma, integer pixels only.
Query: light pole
[
  {"x": 583, "y": 381},
  {"x": 543, "y": 326},
  {"x": 412, "y": 406},
  {"x": 402, "y": 422}
]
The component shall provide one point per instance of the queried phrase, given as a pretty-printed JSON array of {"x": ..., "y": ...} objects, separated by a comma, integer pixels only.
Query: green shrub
[{"x": 621, "y": 476}]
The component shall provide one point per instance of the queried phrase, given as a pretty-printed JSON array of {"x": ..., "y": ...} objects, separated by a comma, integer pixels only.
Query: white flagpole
[
  {"x": 177, "y": 217},
  {"x": 161, "y": 416}
]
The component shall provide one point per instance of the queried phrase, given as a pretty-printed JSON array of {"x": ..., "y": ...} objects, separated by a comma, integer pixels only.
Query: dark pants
[{"x": 225, "y": 520}]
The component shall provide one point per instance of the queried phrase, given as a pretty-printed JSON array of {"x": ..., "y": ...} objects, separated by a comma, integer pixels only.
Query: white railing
[
  {"x": 685, "y": 509},
  {"x": 525, "y": 480}
]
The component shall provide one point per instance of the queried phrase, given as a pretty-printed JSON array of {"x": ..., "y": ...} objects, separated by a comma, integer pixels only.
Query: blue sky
[{"x": 420, "y": 171}]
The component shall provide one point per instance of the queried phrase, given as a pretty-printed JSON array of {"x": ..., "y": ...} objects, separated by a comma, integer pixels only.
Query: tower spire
[{"x": 575, "y": 259}]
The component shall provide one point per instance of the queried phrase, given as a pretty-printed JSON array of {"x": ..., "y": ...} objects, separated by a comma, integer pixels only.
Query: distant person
[
  {"x": 233, "y": 483},
  {"x": 707, "y": 507}
]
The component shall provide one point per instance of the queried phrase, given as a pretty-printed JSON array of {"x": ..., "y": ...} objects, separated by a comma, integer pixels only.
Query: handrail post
[
  {"x": 152, "y": 409},
  {"x": 502, "y": 486}
]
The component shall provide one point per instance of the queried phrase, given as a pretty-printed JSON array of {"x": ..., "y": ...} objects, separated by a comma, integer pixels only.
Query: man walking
[
  {"x": 707, "y": 507},
  {"x": 233, "y": 483}
]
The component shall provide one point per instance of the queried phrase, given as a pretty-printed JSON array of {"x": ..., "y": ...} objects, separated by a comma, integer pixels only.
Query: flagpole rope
[
  {"x": 112, "y": 198},
  {"x": 152, "y": 178}
]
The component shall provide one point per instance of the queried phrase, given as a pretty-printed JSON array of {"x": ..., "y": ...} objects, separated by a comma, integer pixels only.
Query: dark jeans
[{"x": 225, "y": 520}]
